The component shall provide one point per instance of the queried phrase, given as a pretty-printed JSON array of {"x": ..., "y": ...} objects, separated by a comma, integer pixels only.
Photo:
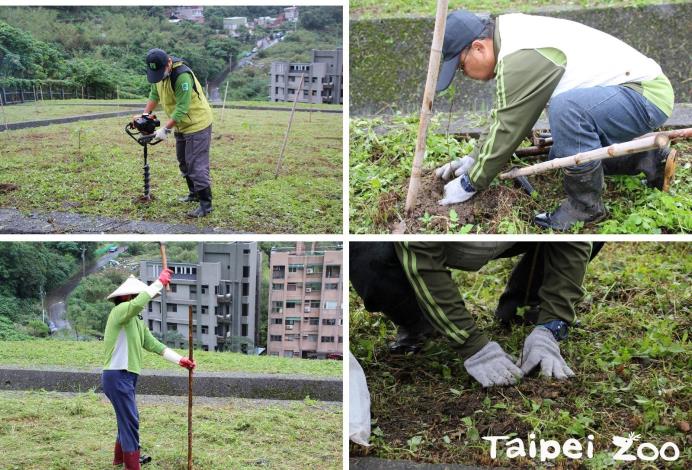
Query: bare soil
[{"x": 7, "y": 187}]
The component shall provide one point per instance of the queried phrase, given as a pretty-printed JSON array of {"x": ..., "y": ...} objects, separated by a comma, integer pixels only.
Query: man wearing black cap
[
  {"x": 175, "y": 86},
  {"x": 598, "y": 90}
]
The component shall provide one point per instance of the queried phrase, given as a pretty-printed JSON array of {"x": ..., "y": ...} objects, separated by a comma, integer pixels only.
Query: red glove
[
  {"x": 187, "y": 363},
  {"x": 165, "y": 277}
]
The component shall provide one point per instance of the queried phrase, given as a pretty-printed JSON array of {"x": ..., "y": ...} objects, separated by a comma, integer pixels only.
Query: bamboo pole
[
  {"x": 615, "y": 150},
  {"x": 288, "y": 129},
  {"x": 223, "y": 106},
  {"x": 164, "y": 261},
  {"x": 426, "y": 108},
  {"x": 189, "y": 391},
  {"x": 675, "y": 134}
]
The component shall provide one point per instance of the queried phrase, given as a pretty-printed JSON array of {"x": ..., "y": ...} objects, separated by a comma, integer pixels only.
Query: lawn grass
[
  {"x": 630, "y": 350},
  {"x": 368, "y": 9},
  {"x": 48, "y": 431},
  {"x": 89, "y": 355},
  {"x": 285, "y": 104},
  {"x": 95, "y": 168},
  {"x": 50, "y": 109},
  {"x": 381, "y": 154}
]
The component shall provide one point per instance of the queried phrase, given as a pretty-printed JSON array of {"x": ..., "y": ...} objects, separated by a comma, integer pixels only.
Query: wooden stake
[
  {"x": 288, "y": 129},
  {"x": 189, "y": 392},
  {"x": 4, "y": 116},
  {"x": 426, "y": 108},
  {"x": 615, "y": 150},
  {"x": 223, "y": 106},
  {"x": 164, "y": 261}
]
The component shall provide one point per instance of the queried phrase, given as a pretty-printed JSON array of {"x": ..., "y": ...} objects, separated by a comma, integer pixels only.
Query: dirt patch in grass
[
  {"x": 491, "y": 206},
  {"x": 7, "y": 187}
]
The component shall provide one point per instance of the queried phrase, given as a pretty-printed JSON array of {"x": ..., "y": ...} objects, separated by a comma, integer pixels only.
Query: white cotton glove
[
  {"x": 542, "y": 348},
  {"x": 172, "y": 356},
  {"x": 492, "y": 366},
  {"x": 162, "y": 133},
  {"x": 455, "y": 192},
  {"x": 456, "y": 167}
]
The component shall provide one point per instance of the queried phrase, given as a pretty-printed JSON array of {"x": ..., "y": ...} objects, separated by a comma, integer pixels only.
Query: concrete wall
[{"x": 389, "y": 57}]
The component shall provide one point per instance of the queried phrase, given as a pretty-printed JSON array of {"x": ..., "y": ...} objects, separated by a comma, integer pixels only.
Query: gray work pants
[{"x": 192, "y": 152}]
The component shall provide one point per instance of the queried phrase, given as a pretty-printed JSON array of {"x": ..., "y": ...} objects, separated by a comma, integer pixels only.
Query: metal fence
[{"x": 9, "y": 95}]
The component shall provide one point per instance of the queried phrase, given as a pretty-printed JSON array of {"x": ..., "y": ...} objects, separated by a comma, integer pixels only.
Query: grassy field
[
  {"x": 95, "y": 168},
  {"x": 49, "y": 109},
  {"x": 366, "y": 9},
  {"x": 47, "y": 431},
  {"x": 89, "y": 355},
  {"x": 285, "y": 104},
  {"x": 630, "y": 350},
  {"x": 380, "y": 164}
]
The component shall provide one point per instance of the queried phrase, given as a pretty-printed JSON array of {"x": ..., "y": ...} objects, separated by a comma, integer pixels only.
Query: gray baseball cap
[{"x": 461, "y": 29}]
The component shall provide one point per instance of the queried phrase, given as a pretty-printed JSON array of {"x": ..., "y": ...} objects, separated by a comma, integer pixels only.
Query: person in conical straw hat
[{"x": 125, "y": 337}]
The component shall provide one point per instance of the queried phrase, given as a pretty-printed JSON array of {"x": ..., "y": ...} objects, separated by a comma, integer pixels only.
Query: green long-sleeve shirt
[
  {"x": 126, "y": 336},
  {"x": 525, "y": 81}
]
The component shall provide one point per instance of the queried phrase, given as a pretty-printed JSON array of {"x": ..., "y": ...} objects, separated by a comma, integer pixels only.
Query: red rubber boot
[
  {"x": 118, "y": 454},
  {"x": 132, "y": 460}
]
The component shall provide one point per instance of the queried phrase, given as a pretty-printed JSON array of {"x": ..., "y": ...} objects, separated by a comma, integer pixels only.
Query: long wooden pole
[
  {"x": 288, "y": 129},
  {"x": 615, "y": 150},
  {"x": 164, "y": 262},
  {"x": 223, "y": 107},
  {"x": 426, "y": 108},
  {"x": 189, "y": 391}
]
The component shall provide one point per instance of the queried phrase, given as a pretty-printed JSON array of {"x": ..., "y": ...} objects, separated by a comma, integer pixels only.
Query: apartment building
[
  {"x": 305, "y": 301},
  {"x": 223, "y": 290},
  {"x": 322, "y": 82}
]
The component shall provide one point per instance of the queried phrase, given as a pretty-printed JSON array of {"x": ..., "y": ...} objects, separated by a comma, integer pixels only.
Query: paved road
[{"x": 56, "y": 299}]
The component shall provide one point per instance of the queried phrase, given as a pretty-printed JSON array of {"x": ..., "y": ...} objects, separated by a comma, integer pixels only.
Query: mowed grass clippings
[
  {"x": 48, "y": 431},
  {"x": 94, "y": 168},
  {"x": 630, "y": 350},
  {"x": 89, "y": 355}
]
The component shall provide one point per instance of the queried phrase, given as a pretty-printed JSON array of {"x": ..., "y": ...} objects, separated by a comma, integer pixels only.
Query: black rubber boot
[
  {"x": 652, "y": 163},
  {"x": 204, "y": 203},
  {"x": 412, "y": 339},
  {"x": 583, "y": 203},
  {"x": 144, "y": 459},
  {"x": 192, "y": 195}
]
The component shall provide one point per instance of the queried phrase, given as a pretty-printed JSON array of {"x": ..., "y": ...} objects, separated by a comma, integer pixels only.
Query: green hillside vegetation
[{"x": 25, "y": 270}]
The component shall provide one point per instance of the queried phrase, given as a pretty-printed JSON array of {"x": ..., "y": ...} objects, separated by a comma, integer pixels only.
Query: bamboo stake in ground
[
  {"x": 426, "y": 108},
  {"x": 615, "y": 150},
  {"x": 189, "y": 391},
  {"x": 223, "y": 106},
  {"x": 288, "y": 129}
]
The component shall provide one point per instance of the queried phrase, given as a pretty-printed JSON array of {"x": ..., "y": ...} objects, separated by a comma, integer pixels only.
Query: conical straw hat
[{"x": 131, "y": 286}]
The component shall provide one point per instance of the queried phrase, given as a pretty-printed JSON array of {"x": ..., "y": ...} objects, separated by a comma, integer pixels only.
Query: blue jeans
[
  {"x": 119, "y": 386},
  {"x": 589, "y": 118}
]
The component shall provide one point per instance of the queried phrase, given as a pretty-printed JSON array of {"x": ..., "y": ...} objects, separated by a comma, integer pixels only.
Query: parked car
[{"x": 113, "y": 249}]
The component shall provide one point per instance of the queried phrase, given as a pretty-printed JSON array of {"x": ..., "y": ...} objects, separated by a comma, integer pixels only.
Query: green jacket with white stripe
[
  {"x": 538, "y": 58},
  {"x": 126, "y": 336}
]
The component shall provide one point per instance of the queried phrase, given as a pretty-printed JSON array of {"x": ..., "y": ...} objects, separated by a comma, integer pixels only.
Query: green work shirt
[{"x": 126, "y": 335}]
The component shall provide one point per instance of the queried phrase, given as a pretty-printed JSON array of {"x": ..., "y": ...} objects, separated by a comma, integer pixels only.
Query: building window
[
  {"x": 246, "y": 271},
  {"x": 274, "y": 337},
  {"x": 288, "y": 353},
  {"x": 246, "y": 251},
  {"x": 243, "y": 330},
  {"x": 193, "y": 292},
  {"x": 276, "y": 286},
  {"x": 314, "y": 321},
  {"x": 312, "y": 338},
  {"x": 327, "y": 339},
  {"x": 294, "y": 268},
  {"x": 330, "y": 305},
  {"x": 172, "y": 308},
  {"x": 246, "y": 288},
  {"x": 292, "y": 303},
  {"x": 149, "y": 309},
  {"x": 331, "y": 286},
  {"x": 313, "y": 287},
  {"x": 174, "y": 287},
  {"x": 277, "y": 321},
  {"x": 205, "y": 289},
  {"x": 151, "y": 324},
  {"x": 341, "y": 339},
  {"x": 314, "y": 269},
  {"x": 312, "y": 303},
  {"x": 278, "y": 272},
  {"x": 172, "y": 326},
  {"x": 277, "y": 306},
  {"x": 292, "y": 320},
  {"x": 205, "y": 309},
  {"x": 292, "y": 286},
  {"x": 333, "y": 270},
  {"x": 329, "y": 321},
  {"x": 244, "y": 309}
]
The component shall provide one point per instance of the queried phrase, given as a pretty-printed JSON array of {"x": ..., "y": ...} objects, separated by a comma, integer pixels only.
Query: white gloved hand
[
  {"x": 542, "y": 348},
  {"x": 455, "y": 193},
  {"x": 456, "y": 167},
  {"x": 161, "y": 134},
  {"x": 492, "y": 366}
]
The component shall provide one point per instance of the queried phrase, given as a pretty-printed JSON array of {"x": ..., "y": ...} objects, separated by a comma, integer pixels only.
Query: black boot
[
  {"x": 192, "y": 195},
  {"x": 412, "y": 339},
  {"x": 204, "y": 203},
  {"x": 655, "y": 164},
  {"x": 583, "y": 204}
]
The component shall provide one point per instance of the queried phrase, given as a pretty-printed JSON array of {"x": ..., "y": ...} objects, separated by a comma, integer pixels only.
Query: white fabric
[
  {"x": 120, "y": 358},
  {"x": 456, "y": 167},
  {"x": 154, "y": 289},
  {"x": 594, "y": 58},
  {"x": 454, "y": 193},
  {"x": 131, "y": 286},
  {"x": 359, "y": 403},
  {"x": 172, "y": 356}
]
